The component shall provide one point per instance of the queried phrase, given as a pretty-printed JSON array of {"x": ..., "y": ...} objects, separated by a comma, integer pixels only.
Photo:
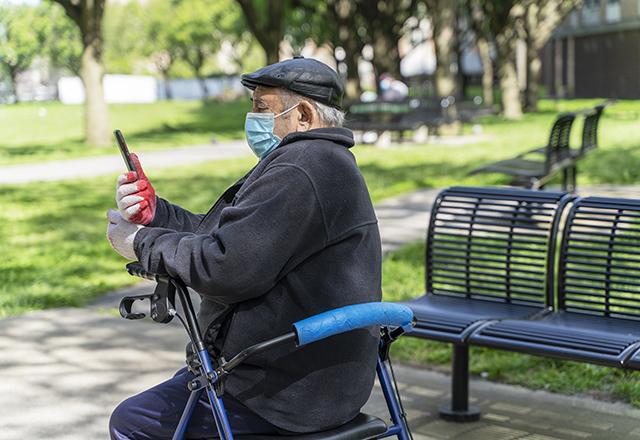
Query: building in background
[{"x": 595, "y": 53}]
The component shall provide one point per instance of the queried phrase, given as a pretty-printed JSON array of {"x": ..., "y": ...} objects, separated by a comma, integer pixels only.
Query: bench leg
[
  {"x": 565, "y": 178},
  {"x": 460, "y": 411}
]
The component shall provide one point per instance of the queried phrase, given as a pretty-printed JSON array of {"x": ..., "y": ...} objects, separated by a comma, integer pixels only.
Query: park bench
[
  {"x": 399, "y": 116},
  {"x": 491, "y": 276},
  {"x": 528, "y": 170}
]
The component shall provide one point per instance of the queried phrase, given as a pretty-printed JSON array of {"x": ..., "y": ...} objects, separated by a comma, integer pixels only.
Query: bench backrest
[
  {"x": 590, "y": 130},
  {"x": 557, "y": 148},
  {"x": 599, "y": 270},
  {"x": 493, "y": 244}
]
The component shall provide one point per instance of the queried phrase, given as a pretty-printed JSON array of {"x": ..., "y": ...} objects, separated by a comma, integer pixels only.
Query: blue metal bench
[
  {"x": 595, "y": 316},
  {"x": 597, "y": 319},
  {"x": 487, "y": 256}
]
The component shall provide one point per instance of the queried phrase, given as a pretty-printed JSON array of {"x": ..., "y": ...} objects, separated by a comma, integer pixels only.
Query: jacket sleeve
[
  {"x": 174, "y": 217},
  {"x": 275, "y": 222}
]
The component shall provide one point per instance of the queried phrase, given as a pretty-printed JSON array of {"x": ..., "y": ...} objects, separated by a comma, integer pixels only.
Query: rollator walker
[{"x": 393, "y": 320}]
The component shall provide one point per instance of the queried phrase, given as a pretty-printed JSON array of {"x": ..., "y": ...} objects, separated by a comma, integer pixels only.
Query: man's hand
[
  {"x": 135, "y": 196},
  {"x": 121, "y": 234}
]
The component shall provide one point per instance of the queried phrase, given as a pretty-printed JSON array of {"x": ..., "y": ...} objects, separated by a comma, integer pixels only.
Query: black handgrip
[{"x": 137, "y": 270}]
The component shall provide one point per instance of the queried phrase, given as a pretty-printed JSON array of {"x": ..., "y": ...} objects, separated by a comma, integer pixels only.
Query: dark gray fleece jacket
[{"x": 295, "y": 237}]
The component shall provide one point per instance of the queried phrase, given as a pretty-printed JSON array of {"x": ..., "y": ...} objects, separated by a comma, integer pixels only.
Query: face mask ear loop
[{"x": 286, "y": 111}]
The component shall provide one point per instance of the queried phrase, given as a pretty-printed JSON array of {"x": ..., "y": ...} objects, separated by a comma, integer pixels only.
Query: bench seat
[
  {"x": 594, "y": 339},
  {"x": 452, "y": 319}
]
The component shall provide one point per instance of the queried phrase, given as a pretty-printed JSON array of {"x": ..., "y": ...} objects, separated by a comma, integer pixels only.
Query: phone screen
[{"x": 124, "y": 150}]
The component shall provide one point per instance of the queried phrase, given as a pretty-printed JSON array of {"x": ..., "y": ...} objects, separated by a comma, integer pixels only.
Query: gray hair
[{"x": 330, "y": 116}]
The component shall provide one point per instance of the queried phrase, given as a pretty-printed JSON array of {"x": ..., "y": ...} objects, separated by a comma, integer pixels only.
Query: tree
[
  {"x": 542, "y": 18},
  {"x": 199, "y": 27},
  {"x": 482, "y": 38},
  {"x": 443, "y": 18},
  {"x": 266, "y": 20},
  {"x": 336, "y": 24},
  {"x": 384, "y": 26},
  {"x": 124, "y": 36},
  {"x": 87, "y": 15},
  {"x": 60, "y": 37},
  {"x": 502, "y": 22},
  {"x": 157, "y": 44},
  {"x": 19, "y": 43}
]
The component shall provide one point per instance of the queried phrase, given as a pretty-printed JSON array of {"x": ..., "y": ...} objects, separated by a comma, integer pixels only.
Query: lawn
[
  {"x": 403, "y": 278},
  {"x": 32, "y": 132}
]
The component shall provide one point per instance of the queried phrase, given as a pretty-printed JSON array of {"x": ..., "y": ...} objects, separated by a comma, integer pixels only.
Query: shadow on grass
[{"x": 57, "y": 252}]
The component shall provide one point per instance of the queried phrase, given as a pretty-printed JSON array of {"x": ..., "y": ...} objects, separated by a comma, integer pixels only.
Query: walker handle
[{"x": 352, "y": 317}]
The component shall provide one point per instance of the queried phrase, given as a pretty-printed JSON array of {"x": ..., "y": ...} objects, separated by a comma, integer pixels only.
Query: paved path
[
  {"x": 99, "y": 165},
  {"x": 62, "y": 371}
]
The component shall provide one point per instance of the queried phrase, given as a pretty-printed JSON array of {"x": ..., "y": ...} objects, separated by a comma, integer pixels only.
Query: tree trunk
[
  {"x": 353, "y": 88},
  {"x": 13, "y": 77},
  {"x": 444, "y": 28},
  {"x": 96, "y": 117},
  {"x": 386, "y": 57},
  {"x": 508, "y": 79},
  {"x": 203, "y": 87},
  {"x": 167, "y": 86},
  {"x": 268, "y": 30},
  {"x": 272, "y": 50},
  {"x": 534, "y": 69},
  {"x": 487, "y": 70}
]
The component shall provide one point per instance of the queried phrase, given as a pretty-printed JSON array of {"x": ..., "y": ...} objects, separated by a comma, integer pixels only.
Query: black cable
[
  {"x": 395, "y": 386},
  {"x": 184, "y": 324}
]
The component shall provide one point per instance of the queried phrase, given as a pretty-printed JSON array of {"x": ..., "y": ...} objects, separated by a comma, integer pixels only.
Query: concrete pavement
[{"x": 99, "y": 165}]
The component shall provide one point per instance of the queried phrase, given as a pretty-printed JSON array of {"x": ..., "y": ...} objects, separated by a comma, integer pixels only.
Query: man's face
[{"x": 269, "y": 100}]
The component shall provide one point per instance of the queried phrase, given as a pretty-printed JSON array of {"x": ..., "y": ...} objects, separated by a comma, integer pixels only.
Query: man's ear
[{"x": 308, "y": 115}]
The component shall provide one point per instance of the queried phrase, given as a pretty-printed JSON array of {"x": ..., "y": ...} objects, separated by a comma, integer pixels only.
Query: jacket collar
[{"x": 339, "y": 135}]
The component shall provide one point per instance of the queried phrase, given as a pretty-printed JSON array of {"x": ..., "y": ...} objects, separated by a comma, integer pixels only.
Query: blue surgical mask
[{"x": 258, "y": 128}]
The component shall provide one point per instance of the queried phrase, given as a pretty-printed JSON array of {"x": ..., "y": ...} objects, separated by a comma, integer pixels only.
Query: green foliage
[
  {"x": 19, "y": 43},
  {"x": 59, "y": 38},
  {"x": 124, "y": 37}
]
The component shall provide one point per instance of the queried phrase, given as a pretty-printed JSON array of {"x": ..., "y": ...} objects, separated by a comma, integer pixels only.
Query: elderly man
[{"x": 294, "y": 237}]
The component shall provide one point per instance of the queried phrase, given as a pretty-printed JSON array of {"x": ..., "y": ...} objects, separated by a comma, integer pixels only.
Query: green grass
[
  {"x": 403, "y": 278},
  {"x": 33, "y": 132}
]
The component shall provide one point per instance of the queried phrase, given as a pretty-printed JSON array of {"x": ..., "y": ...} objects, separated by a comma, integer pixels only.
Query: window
[
  {"x": 612, "y": 12},
  {"x": 591, "y": 12}
]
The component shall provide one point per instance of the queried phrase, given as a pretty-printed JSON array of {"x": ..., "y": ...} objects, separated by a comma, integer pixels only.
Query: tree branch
[{"x": 72, "y": 10}]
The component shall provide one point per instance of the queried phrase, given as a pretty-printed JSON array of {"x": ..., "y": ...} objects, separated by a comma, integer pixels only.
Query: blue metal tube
[
  {"x": 181, "y": 430},
  {"x": 399, "y": 427},
  {"x": 219, "y": 414}
]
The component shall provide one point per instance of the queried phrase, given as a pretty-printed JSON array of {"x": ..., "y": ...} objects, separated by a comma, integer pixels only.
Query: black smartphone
[{"x": 124, "y": 150}]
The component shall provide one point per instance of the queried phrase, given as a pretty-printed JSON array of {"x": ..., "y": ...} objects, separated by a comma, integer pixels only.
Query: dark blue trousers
[{"x": 155, "y": 413}]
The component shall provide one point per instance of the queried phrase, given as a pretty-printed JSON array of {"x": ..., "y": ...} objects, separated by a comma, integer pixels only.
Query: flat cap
[{"x": 304, "y": 76}]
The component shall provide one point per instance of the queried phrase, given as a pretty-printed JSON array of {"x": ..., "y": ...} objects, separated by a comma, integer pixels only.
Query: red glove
[{"x": 135, "y": 196}]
